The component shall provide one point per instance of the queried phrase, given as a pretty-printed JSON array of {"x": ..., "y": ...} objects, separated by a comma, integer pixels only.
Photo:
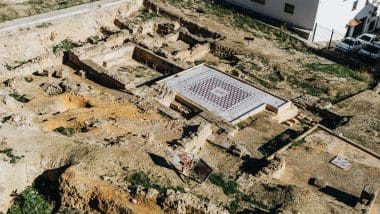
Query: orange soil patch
[
  {"x": 104, "y": 192},
  {"x": 80, "y": 110}
]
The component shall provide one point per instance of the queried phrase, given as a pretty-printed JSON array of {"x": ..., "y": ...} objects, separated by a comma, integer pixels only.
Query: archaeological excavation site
[{"x": 170, "y": 106}]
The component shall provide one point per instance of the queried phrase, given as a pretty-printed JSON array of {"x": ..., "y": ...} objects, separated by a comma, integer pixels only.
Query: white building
[{"x": 319, "y": 18}]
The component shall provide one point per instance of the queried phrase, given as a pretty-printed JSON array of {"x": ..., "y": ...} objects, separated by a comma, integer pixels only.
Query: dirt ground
[
  {"x": 280, "y": 65},
  {"x": 311, "y": 159},
  {"x": 105, "y": 136},
  {"x": 364, "y": 124},
  {"x": 10, "y": 9}
]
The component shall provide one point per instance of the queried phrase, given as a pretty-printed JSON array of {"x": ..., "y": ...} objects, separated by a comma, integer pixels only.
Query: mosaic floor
[{"x": 220, "y": 93}]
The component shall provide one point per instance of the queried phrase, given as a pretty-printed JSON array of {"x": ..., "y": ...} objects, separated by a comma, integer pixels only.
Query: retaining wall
[
  {"x": 155, "y": 62},
  {"x": 25, "y": 39}
]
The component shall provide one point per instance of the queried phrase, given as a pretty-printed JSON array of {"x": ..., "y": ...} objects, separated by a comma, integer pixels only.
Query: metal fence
[{"x": 326, "y": 37}]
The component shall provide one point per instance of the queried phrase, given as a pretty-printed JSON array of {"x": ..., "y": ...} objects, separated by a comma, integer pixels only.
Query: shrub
[
  {"x": 65, "y": 46},
  {"x": 20, "y": 98},
  {"x": 337, "y": 70},
  {"x": 9, "y": 153},
  {"x": 30, "y": 202},
  {"x": 228, "y": 185},
  {"x": 19, "y": 64},
  {"x": 297, "y": 143},
  {"x": 28, "y": 79},
  {"x": 142, "y": 179},
  {"x": 65, "y": 131},
  {"x": 234, "y": 205},
  {"x": 146, "y": 15}
]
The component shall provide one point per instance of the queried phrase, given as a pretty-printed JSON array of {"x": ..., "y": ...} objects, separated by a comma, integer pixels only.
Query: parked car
[
  {"x": 348, "y": 45},
  {"x": 370, "y": 52},
  {"x": 367, "y": 38}
]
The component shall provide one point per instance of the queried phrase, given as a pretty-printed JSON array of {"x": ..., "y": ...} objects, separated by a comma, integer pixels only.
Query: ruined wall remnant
[
  {"x": 367, "y": 199},
  {"x": 192, "y": 39},
  {"x": 183, "y": 203},
  {"x": 165, "y": 94},
  {"x": 164, "y": 29},
  {"x": 99, "y": 67},
  {"x": 28, "y": 41},
  {"x": 286, "y": 112},
  {"x": 224, "y": 52},
  {"x": 29, "y": 67},
  {"x": 274, "y": 169},
  {"x": 94, "y": 72},
  {"x": 193, "y": 28},
  {"x": 155, "y": 62},
  {"x": 193, "y": 143},
  {"x": 377, "y": 88}
]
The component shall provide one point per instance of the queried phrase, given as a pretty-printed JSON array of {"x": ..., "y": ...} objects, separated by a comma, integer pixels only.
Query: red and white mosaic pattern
[{"x": 219, "y": 92}]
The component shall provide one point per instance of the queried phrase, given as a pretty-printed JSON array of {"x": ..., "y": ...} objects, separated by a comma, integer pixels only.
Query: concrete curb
[{"x": 16, "y": 24}]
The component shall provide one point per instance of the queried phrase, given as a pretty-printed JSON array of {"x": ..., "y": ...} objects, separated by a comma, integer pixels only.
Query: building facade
[{"x": 321, "y": 19}]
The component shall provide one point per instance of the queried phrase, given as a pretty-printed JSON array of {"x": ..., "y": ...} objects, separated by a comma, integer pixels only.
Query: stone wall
[
  {"x": 34, "y": 41},
  {"x": 197, "y": 140},
  {"x": 366, "y": 202},
  {"x": 155, "y": 62},
  {"x": 183, "y": 203},
  {"x": 37, "y": 64},
  {"x": 286, "y": 112},
  {"x": 193, "y": 28},
  {"x": 94, "y": 72},
  {"x": 165, "y": 95}
]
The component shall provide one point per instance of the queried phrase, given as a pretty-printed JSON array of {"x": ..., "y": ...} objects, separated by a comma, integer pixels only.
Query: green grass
[
  {"x": 336, "y": 70},
  {"x": 235, "y": 204},
  {"x": 310, "y": 88},
  {"x": 231, "y": 17},
  {"x": 230, "y": 188},
  {"x": 65, "y": 131},
  {"x": 65, "y": 45},
  {"x": 20, "y": 98},
  {"x": 44, "y": 25},
  {"x": 28, "y": 79},
  {"x": 19, "y": 64},
  {"x": 296, "y": 143},
  {"x": 228, "y": 185},
  {"x": 198, "y": 62},
  {"x": 265, "y": 83},
  {"x": 252, "y": 201},
  {"x": 9, "y": 153},
  {"x": 146, "y": 15},
  {"x": 142, "y": 179},
  {"x": 304, "y": 122},
  {"x": 34, "y": 7},
  {"x": 30, "y": 202}
]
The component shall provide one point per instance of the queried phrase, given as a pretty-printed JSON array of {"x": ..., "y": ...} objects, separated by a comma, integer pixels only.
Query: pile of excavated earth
[{"x": 162, "y": 107}]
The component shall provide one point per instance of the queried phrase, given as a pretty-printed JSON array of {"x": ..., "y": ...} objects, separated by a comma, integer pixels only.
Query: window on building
[
  {"x": 371, "y": 26},
  {"x": 289, "y": 8},
  {"x": 355, "y": 5},
  {"x": 259, "y": 1}
]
